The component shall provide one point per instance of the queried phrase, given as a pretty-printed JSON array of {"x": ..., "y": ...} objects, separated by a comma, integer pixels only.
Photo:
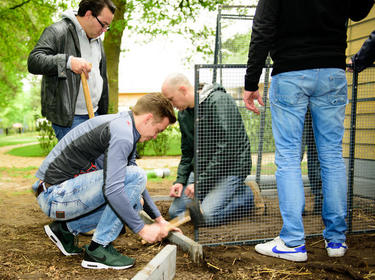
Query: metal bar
[
  {"x": 262, "y": 124},
  {"x": 237, "y": 6},
  {"x": 352, "y": 149},
  {"x": 222, "y": 65},
  {"x": 243, "y": 17},
  {"x": 217, "y": 46},
  {"x": 364, "y": 99},
  {"x": 196, "y": 103}
]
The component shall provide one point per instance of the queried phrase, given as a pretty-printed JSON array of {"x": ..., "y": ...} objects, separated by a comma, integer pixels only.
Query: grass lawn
[
  {"x": 33, "y": 150},
  {"x": 18, "y": 139}
]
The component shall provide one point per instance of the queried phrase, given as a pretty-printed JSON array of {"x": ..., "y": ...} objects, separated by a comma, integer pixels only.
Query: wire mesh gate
[{"x": 263, "y": 221}]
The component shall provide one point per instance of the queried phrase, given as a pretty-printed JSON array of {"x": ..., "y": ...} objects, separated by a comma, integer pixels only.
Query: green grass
[
  {"x": 153, "y": 178},
  {"x": 174, "y": 148},
  {"x": 27, "y": 151},
  {"x": 19, "y": 172},
  {"x": 18, "y": 139}
]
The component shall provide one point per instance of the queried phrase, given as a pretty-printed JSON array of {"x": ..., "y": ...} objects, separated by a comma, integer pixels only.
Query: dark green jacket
[{"x": 223, "y": 144}]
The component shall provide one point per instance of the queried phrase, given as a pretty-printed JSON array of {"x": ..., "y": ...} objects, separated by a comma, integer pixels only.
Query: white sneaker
[
  {"x": 336, "y": 249},
  {"x": 277, "y": 248}
]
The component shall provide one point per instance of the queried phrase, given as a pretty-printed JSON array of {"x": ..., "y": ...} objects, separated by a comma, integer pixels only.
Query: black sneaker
[
  {"x": 105, "y": 257},
  {"x": 64, "y": 240}
]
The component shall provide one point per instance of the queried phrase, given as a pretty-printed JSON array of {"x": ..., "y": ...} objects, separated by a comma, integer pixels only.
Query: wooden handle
[
  {"x": 86, "y": 92},
  {"x": 175, "y": 222},
  {"x": 258, "y": 199}
]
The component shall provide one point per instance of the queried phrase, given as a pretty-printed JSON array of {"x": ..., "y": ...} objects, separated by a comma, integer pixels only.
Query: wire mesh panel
[
  {"x": 359, "y": 150},
  {"x": 227, "y": 140},
  {"x": 218, "y": 139}
]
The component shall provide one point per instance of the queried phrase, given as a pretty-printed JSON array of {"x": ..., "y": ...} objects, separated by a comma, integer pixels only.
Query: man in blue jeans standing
[
  {"x": 90, "y": 181},
  {"x": 307, "y": 42},
  {"x": 224, "y": 153}
]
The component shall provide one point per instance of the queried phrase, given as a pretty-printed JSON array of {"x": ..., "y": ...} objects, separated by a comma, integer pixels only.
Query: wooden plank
[
  {"x": 361, "y": 151},
  {"x": 361, "y": 136},
  {"x": 362, "y": 122},
  {"x": 367, "y": 107}
]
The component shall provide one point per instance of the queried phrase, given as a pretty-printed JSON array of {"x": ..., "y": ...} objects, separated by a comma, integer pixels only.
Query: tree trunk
[{"x": 112, "y": 47}]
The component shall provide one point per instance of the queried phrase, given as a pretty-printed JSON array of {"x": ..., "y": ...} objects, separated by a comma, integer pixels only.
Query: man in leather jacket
[
  {"x": 65, "y": 50},
  {"x": 366, "y": 55}
]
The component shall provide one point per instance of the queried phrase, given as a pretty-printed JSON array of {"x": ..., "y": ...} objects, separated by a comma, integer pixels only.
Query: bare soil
[{"x": 26, "y": 252}]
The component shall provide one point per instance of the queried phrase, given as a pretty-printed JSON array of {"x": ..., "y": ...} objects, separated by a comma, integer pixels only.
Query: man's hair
[
  {"x": 95, "y": 6},
  {"x": 156, "y": 104},
  {"x": 177, "y": 79}
]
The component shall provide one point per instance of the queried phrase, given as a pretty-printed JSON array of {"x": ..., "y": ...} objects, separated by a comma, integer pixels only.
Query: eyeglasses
[{"x": 106, "y": 27}]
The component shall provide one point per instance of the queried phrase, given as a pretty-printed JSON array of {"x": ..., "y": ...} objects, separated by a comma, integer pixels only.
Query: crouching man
[{"x": 90, "y": 181}]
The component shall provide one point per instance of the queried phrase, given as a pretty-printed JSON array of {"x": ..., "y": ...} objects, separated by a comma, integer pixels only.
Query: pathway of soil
[{"x": 26, "y": 253}]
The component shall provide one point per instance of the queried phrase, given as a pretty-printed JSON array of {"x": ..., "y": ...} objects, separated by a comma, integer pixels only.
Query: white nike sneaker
[
  {"x": 277, "y": 248},
  {"x": 336, "y": 249}
]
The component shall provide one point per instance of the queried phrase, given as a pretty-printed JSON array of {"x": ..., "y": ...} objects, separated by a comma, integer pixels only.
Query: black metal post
[
  {"x": 262, "y": 122},
  {"x": 352, "y": 149}
]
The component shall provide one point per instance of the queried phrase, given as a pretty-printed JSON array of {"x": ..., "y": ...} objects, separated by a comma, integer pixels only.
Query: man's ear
[
  {"x": 183, "y": 90},
  {"x": 148, "y": 117},
  {"x": 88, "y": 13}
]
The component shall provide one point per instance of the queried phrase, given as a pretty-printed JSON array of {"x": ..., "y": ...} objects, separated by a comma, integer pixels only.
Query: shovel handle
[{"x": 86, "y": 92}]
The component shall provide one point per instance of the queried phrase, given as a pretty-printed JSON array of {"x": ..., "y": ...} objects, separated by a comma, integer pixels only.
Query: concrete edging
[
  {"x": 161, "y": 267},
  {"x": 194, "y": 249}
]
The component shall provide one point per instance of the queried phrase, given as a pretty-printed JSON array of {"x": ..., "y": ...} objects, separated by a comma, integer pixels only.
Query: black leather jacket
[
  {"x": 366, "y": 55},
  {"x": 60, "y": 86}
]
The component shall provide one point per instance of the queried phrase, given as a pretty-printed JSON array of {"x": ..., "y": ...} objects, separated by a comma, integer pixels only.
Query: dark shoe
[
  {"x": 106, "y": 257},
  {"x": 64, "y": 240}
]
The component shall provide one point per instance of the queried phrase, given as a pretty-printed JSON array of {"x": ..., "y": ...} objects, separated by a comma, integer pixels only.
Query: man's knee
[{"x": 138, "y": 174}]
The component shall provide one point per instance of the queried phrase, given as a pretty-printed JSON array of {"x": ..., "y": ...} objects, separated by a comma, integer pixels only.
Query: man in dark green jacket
[{"x": 224, "y": 159}]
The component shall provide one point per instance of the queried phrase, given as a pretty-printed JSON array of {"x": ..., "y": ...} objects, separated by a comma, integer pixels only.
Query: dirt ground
[{"x": 26, "y": 252}]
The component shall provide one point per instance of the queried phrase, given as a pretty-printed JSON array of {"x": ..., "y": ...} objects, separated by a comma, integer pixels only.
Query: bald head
[{"x": 179, "y": 91}]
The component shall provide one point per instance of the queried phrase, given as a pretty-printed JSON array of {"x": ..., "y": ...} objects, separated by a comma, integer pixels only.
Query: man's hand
[
  {"x": 350, "y": 67},
  {"x": 176, "y": 190},
  {"x": 160, "y": 220},
  {"x": 189, "y": 191},
  {"x": 79, "y": 65},
  {"x": 248, "y": 98},
  {"x": 154, "y": 232}
]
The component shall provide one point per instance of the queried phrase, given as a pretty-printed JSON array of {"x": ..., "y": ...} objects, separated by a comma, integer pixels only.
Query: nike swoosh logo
[
  {"x": 101, "y": 259},
  {"x": 301, "y": 249}
]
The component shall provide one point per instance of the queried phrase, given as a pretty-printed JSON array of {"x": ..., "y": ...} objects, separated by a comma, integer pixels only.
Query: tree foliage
[
  {"x": 235, "y": 50},
  {"x": 154, "y": 18},
  {"x": 22, "y": 22}
]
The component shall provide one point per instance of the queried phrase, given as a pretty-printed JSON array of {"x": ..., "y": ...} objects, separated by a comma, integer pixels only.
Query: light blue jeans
[
  {"x": 84, "y": 205},
  {"x": 230, "y": 199},
  {"x": 61, "y": 131},
  {"x": 324, "y": 91}
]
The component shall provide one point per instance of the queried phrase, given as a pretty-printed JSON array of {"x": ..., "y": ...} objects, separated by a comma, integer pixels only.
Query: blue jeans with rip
[
  {"x": 324, "y": 92},
  {"x": 229, "y": 199},
  {"x": 61, "y": 131},
  {"x": 84, "y": 205}
]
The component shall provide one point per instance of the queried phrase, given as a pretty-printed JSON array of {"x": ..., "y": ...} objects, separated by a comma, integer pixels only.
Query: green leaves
[{"x": 22, "y": 22}]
